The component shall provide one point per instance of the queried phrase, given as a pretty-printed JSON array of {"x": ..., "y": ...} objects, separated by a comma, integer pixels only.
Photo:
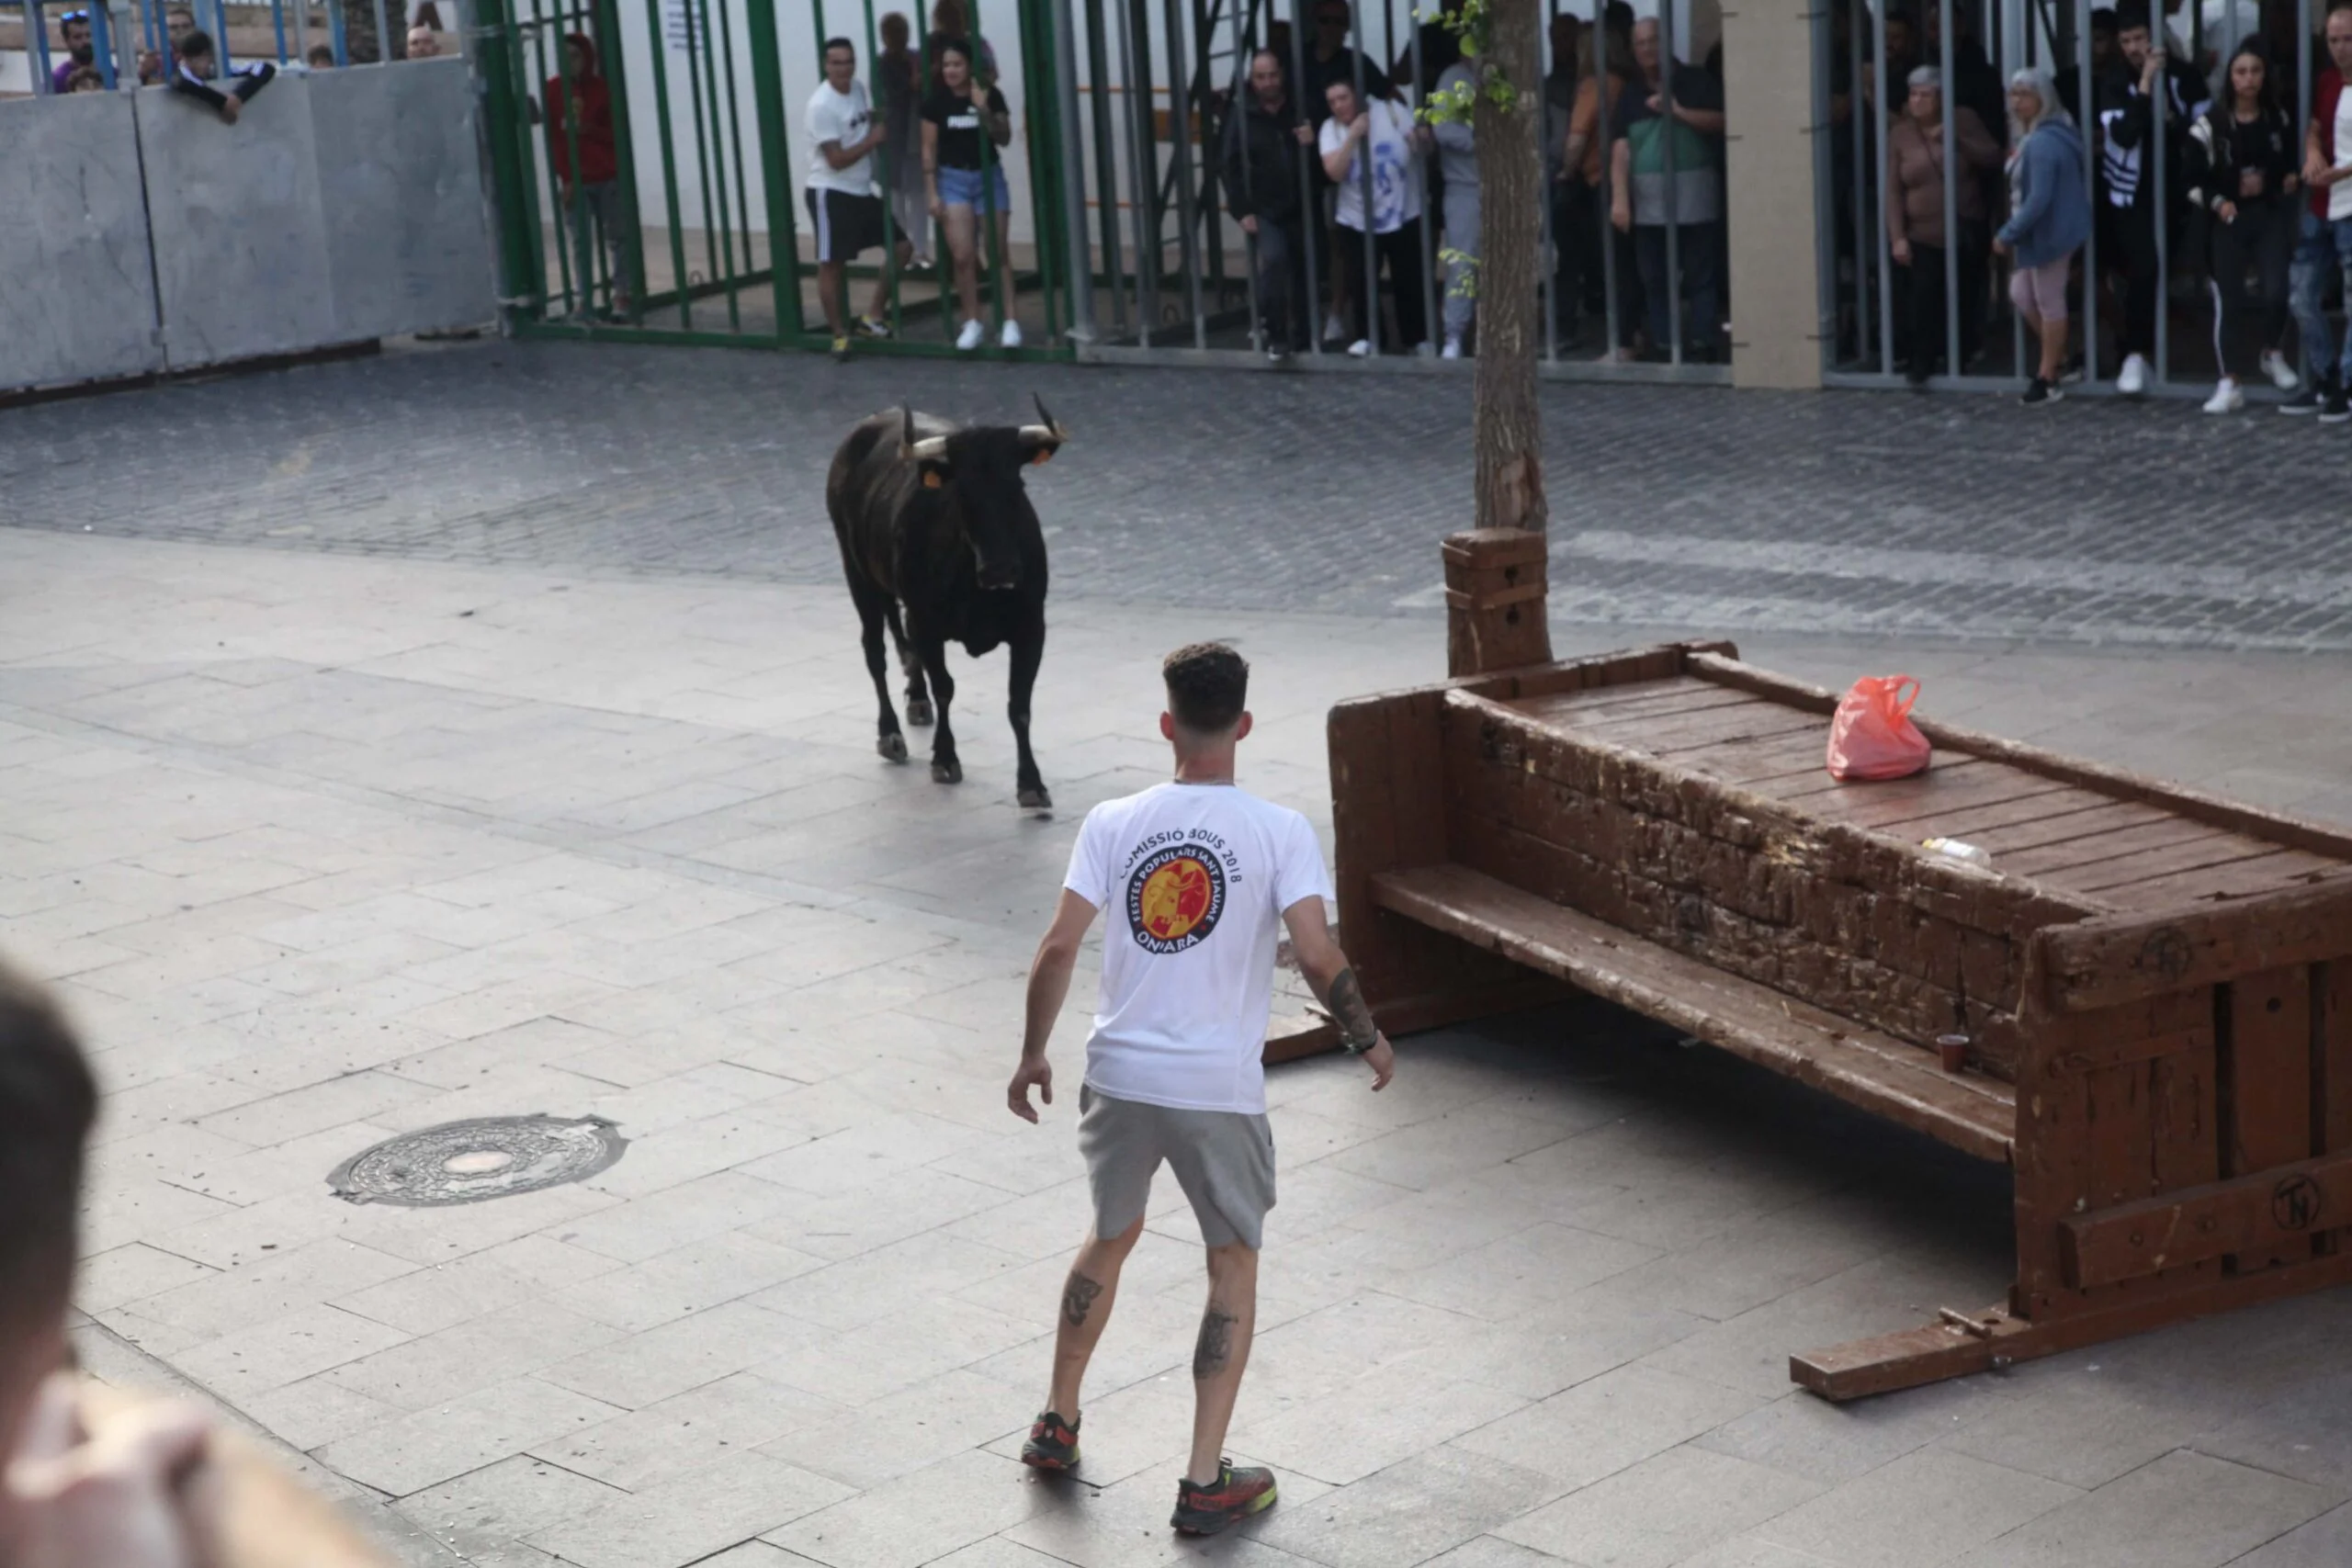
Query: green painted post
[
  {"x": 607, "y": 36},
  {"x": 669, "y": 164},
  {"x": 521, "y": 283},
  {"x": 564, "y": 212},
  {"x": 715, "y": 180},
  {"x": 735, "y": 139},
  {"x": 699, "y": 46},
  {"x": 885, "y": 168},
  {"x": 775, "y": 170}
]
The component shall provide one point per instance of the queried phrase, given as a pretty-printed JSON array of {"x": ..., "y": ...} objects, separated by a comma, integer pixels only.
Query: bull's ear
[
  {"x": 932, "y": 478},
  {"x": 1041, "y": 456}
]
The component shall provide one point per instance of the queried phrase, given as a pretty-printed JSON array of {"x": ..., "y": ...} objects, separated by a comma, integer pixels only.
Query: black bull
[{"x": 933, "y": 519}]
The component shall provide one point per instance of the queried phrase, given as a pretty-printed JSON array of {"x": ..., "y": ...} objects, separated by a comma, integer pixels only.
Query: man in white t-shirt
[
  {"x": 843, "y": 201},
  {"x": 1199, "y": 879}
]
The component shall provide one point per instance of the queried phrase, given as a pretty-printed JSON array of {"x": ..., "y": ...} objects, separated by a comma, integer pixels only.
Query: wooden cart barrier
[{"x": 2155, "y": 986}]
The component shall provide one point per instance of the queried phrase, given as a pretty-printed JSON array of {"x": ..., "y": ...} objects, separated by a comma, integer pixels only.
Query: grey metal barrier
[
  {"x": 2142, "y": 286},
  {"x": 1160, "y": 133},
  {"x": 131, "y": 42}
]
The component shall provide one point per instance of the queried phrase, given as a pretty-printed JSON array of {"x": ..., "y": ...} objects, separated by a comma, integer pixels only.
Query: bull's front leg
[
  {"x": 944, "y": 767},
  {"x": 1028, "y": 651}
]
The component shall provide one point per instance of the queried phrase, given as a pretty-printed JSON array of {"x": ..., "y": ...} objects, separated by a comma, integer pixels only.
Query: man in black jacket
[
  {"x": 1262, "y": 154},
  {"x": 2129, "y": 205}
]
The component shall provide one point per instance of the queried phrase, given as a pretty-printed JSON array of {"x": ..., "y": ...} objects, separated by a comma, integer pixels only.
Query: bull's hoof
[
  {"x": 919, "y": 712},
  {"x": 892, "y": 747},
  {"x": 947, "y": 772},
  {"x": 1036, "y": 799}
]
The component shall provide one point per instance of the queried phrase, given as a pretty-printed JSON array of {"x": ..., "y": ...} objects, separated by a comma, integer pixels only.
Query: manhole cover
[{"x": 465, "y": 1162}]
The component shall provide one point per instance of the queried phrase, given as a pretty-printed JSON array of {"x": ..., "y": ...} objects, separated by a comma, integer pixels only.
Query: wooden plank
[
  {"x": 2293, "y": 831},
  {"x": 2108, "y": 960},
  {"x": 2120, "y": 1316},
  {"x": 1763, "y": 917},
  {"x": 2002, "y": 842},
  {"x": 2104, "y": 849},
  {"x": 2256, "y": 876},
  {"x": 1887, "y": 1363},
  {"x": 1918, "y": 811},
  {"x": 1810, "y": 794},
  {"x": 1663, "y": 789},
  {"x": 2332, "y": 1056},
  {"x": 2214, "y": 849},
  {"x": 2263, "y": 1212},
  {"x": 1642, "y": 697},
  {"x": 1776, "y": 1032},
  {"x": 1657, "y": 663},
  {"x": 1744, "y": 762},
  {"x": 1970, "y": 822},
  {"x": 1673, "y": 733},
  {"x": 2266, "y": 1089},
  {"x": 1697, "y": 698}
]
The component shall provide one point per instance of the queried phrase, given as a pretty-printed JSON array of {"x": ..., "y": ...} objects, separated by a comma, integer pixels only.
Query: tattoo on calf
[
  {"x": 1348, "y": 1007},
  {"x": 1215, "y": 1347},
  {"x": 1078, "y": 1299}
]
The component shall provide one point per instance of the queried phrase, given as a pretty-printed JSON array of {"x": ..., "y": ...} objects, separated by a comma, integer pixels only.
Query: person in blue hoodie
[{"x": 2050, "y": 217}]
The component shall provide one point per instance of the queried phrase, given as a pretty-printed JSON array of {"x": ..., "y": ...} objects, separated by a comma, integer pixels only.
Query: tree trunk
[{"x": 1507, "y": 439}]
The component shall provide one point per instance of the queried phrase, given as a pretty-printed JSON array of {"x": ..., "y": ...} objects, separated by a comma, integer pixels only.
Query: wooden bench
[{"x": 2155, "y": 986}]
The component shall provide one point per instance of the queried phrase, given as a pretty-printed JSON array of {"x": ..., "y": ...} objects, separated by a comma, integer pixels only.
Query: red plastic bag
[{"x": 1872, "y": 736}]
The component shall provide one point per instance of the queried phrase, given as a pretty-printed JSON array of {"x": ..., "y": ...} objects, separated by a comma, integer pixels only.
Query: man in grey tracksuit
[{"x": 1457, "y": 158}]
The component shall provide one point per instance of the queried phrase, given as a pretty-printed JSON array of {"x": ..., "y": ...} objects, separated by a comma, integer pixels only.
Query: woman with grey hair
[
  {"x": 1916, "y": 177},
  {"x": 2050, "y": 217}
]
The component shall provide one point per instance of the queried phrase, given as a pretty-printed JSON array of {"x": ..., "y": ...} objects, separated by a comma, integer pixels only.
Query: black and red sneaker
[
  {"x": 1052, "y": 1445},
  {"x": 1236, "y": 1494}
]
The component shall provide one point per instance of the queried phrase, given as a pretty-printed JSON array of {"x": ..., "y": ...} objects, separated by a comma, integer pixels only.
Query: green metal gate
[{"x": 698, "y": 235}]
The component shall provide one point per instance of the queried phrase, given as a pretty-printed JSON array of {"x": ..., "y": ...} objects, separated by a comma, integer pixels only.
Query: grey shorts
[{"x": 1223, "y": 1159}]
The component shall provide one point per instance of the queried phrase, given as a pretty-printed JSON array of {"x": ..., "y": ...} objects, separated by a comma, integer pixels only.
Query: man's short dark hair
[
  {"x": 196, "y": 44},
  {"x": 2131, "y": 18},
  {"x": 1208, "y": 685},
  {"x": 833, "y": 43},
  {"x": 46, "y": 1104}
]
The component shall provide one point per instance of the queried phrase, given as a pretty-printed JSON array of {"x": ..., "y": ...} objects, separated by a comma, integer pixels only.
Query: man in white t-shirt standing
[
  {"x": 1198, "y": 878},
  {"x": 841, "y": 198}
]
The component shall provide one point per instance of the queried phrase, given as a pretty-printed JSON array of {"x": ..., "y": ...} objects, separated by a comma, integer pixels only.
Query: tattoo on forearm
[
  {"x": 1078, "y": 1299},
  {"x": 1215, "y": 1347},
  {"x": 1348, "y": 1008}
]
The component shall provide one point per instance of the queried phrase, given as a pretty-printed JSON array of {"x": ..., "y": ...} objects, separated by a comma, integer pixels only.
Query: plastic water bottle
[{"x": 1953, "y": 849}]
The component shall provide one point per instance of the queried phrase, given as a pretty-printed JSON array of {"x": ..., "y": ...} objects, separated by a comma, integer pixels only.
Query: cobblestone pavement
[
  {"x": 2096, "y": 522},
  {"x": 322, "y": 849}
]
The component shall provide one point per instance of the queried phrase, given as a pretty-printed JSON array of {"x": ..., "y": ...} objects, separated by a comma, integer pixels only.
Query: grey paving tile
[
  {"x": 130, "y": 1272},
  {"x": 1493, "y": 1552},
  {"x": 639, "y": 1370},
  {"x": 1606, "y": 1424},
  {"x": 1377, "y": 1420},
  {"x": 1661, "y": 1512},
  {"x": 2323, "y": 1542},
  {"x": 432, "y": 1446},
  {"x": 689, "y": 1516},
  {"x": 508, "y": 1500},
  {"x": 1928, "y": 1507},
  {"x": 1128, "y": 1523},
  {"x": 432, "y": 1369},
  {"x": 270, "y": 1355},
  {"x": 1410, "y": 1513},
  {"x": 283, "y": 1282},
  {"x": 2182, "y": 1511},
  {"x": 1833, "y": 1443},
  {"x": 696, "y": 1427},
  {"x": 696, "y": 1276}
]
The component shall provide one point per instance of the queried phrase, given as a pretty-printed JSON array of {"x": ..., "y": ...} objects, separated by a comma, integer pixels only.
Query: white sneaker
[
  {"x": 969, "y": 338},
  {"x": 2282, "y": 374},
  {"x": 1010, "y": 336},
  {"x": 1452, "y": 349},
  {"x": 1334, "y": 329},
  {"x": 1361, "y": 348},
  {"x": 2134, "y": 377},
  {"x": 2226, "y": 398}
]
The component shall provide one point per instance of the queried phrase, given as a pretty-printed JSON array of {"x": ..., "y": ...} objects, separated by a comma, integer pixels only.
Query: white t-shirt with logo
[
  {"x": 1395, "y": 200},
  {"x": 842, "y": 118},
  {"x": 1193, "y": 880}
]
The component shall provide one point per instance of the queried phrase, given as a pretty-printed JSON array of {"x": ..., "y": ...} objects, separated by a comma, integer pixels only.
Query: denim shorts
[{"x": 962, "y": 187}]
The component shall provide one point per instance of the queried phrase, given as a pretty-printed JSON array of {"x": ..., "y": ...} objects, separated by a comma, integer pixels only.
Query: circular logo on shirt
[{"x": 1174, "y": 898}]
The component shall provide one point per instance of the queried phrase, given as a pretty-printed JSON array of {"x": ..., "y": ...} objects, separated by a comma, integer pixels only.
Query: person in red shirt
[
  {"x": 2326, "y": 239},
  {"x": 579, "y": 119}
]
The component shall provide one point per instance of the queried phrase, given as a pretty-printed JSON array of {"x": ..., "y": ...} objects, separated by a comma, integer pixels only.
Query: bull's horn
[
  {"x": 930, "y": 449},
  {"x": 1049, "y": 431}
]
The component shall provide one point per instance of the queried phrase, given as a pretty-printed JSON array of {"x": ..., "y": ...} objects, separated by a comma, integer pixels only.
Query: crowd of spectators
[
  {"x": 1344, "y": 163},
  {"x": 2199, "y": 172},
  {"x": 76, "y": 68}
]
